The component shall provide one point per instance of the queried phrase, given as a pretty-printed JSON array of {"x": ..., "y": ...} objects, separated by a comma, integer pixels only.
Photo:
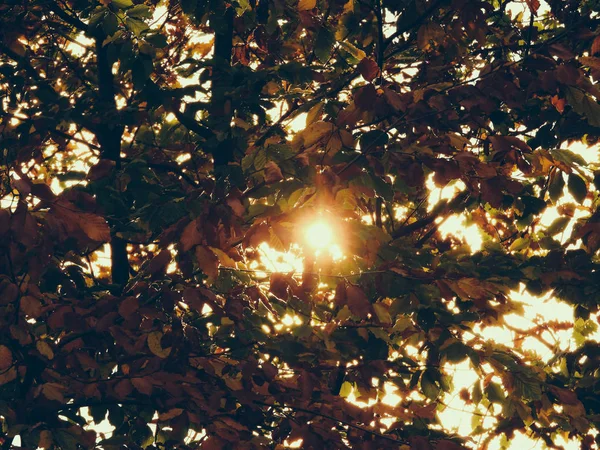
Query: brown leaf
[
  {"x": 159, "y": 263},
  {"x": 445, "y": 444},
  {"x": 54, "y": 391},
  {"x": 128, "y": 306},
  {"x": 95, "y": 227},
  {"x": 31, "y": 306},
  {"x": 6, "y": 358},
  {"x": 279, "y": 285},
  {"x": 207, "y": 262},
  {"x": 46, "y": 440},
  {"x": 368, "y": 68},
  {"x": 143, "y": 385},
  {"x": 170, "y": 414},
  {"x": 191, "y": 235},
  {"x": 101, "y": 169},
  {"x": 357, "y": 301},
  {"x": 123, "y": 388},
  {"x": 272, "y": 173}
]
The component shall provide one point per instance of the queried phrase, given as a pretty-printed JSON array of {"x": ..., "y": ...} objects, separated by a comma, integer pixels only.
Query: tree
[{"x": 159, "y": 133}]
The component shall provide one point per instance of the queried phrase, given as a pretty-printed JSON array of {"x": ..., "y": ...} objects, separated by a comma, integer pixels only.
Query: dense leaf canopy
[{"x": 159, "y": 157}]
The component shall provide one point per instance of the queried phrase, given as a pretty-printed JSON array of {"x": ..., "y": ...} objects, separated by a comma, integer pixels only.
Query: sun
[{"x": 319, "y": 235}]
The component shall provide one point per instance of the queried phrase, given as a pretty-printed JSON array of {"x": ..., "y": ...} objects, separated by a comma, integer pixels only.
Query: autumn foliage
[{"x": 153, "y": 152}]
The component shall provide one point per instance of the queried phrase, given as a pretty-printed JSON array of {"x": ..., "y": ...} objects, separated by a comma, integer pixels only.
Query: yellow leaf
[
  {"x": 44, "y": 348},
  {"x": 155, "y": 346},
  {"x": 304, "y": 5},
  {"x": 224, "y": 259}
]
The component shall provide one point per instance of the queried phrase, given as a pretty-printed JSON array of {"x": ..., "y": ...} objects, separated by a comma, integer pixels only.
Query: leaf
[
  {"x": 346, "y": 389},
  {"x": 429, "y": 387},
  {"x": 557, "y": 226},
  {"x": 494, "y": 393},
  {"x": 324, "y": 44},
  {"x": 272, "y": 173},
  {"x": 154, "y": 344},
  {"x": 368, "y": 68},
  {"x": 6, "y": 358},
  {"x": 122, "y": 4},
  {"x": 140, "y": 11},
  {"x": 583, "y": 105},
  {"x": 54, "y": 391},
  {"x": 45, "y": 440},
  {"x": 534, "y": 5},
  {"x": 372, "y": 139},
  {"x": 305, "y": 5},
  {"x": 136, "y": 26},
  {"x": 577, "y": 187},
  {"x": 128, "y": 307},
  {"x": 171, "y": 414},
  {"x": 556, "y": 188},
  {"x": 95, "y": 227},
  {"x": 357, "y": 301},
  {"x": 520, "y": 244},
  {"x": 143, "y": 385},
  {"x": 44, "y": 348},
  {"x": 207, "y": 262},
  {"x": 190, "y": 236},
  {"x": 382, "y": 313}
]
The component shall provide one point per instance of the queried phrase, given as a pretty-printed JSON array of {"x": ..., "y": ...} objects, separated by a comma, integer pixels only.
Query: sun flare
[{"x": 319, "y": 235}]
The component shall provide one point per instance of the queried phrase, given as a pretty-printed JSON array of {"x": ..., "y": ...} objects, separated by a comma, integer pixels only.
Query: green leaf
[
  {"x": 583, "y": 105},
  {"x": 140, "y": 11},
  {"x": 260, "y": 159},
  {"x": 188, "y": 6},
  {"x": 136, "y": 26},
  {"x": 122, "y": 4},
  {"x": 568, "y": 157},
  {"x": 477, "y": 394},
  {"x": 430, "y": 388},
  {"x": 456, "y": 352},
  {"x": 577, "y": 187},
  {"x": 374, "y": 138},
  {"x": 556, "y": 187},
  {"x": 558, "y": 226},
  {"x": 494, "y": 393},
  {"x": 324, "y": 44}
]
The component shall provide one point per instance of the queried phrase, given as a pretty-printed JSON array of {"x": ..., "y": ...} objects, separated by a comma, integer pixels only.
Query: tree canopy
[{"x": 156, "y": 154}]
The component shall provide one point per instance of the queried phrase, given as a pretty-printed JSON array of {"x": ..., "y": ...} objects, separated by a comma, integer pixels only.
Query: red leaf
[
  {"x": 159, "y": 262},
  {"x": 595, "y": 46},
  {"x": 357, "y": 301},
  {"x": 128, "y": 306},
  {"x": 368, "y": 68},
  {"x": 534, "y": 5},
  {"x": 143, "y": 385},
  {"x": 191, "y": 235}
]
